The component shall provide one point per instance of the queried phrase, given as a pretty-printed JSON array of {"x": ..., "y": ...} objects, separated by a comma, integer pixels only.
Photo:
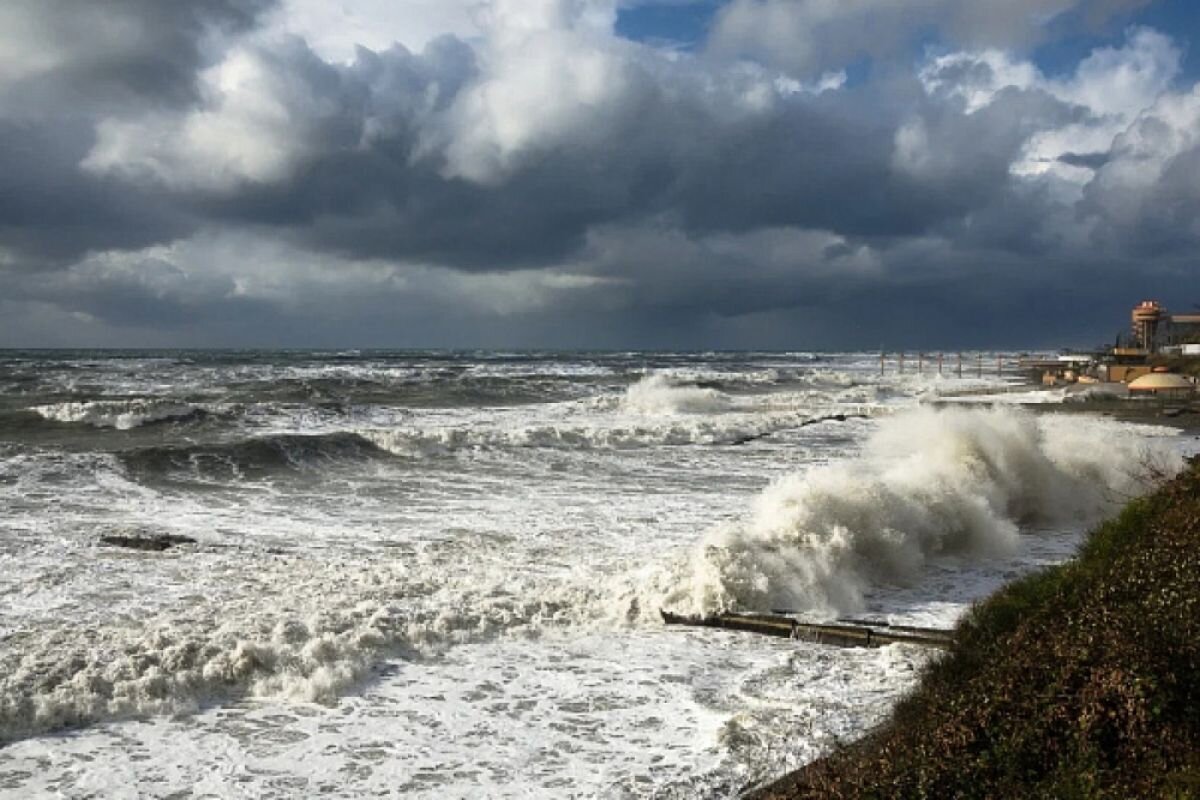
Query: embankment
[{"x": 1079, "y": 681}]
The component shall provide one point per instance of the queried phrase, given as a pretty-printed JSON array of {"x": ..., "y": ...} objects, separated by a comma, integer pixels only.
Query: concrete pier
[{"x": 848, "y": 633}]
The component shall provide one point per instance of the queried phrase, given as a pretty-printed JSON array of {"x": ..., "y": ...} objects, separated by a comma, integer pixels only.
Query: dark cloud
[
  {"x": 66, "y": 64},
  {"x": 1086, "y": 160},
  {"x": 105, "y": 53},
  {"x": 188, "y": 170},
  {"x": 52, "y": 213}
]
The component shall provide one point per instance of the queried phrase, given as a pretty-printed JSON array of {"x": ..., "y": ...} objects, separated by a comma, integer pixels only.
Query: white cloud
[
  {"x": 812, "y": 36},
  {"x": 335, "y": 29},
  {"x": 1129, "y": 183},
  {"x": 976, "y": 77},
  {"x": 550, "y": 70},
  {"x": 1113, "y": 85},
  {"x": 1123, "y": 81},
  {"x": 554, "y": 72},
  {"x": 551, "y": 74},
  {"x": 254, "y": 126},
  {"x": 548, "y": 88}
]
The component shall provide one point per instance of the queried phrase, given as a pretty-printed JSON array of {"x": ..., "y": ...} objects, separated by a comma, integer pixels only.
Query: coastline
[
  {"x": 1079, "y": 680},
  {"x": 1184, "y": 416},
  {"x": 166, "y": 471}
]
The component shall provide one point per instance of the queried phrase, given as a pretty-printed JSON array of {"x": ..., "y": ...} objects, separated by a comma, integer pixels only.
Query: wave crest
[
  {"x": 929, "y": 483},
  {"x": 327, "y": 629},
  {"x": 120, "y": 414},
  {"x": 250, "y": 456},
  {"x": 657, "y": 394}
]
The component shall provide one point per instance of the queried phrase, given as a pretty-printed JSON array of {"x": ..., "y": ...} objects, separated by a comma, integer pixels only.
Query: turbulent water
[{"x": 439, "y": 574}]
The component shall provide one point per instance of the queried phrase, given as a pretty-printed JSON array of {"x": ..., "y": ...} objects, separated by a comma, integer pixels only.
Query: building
[
  {"x": 1183, "y": 329},
  {"x": 1154, "y": 328},
  {"x": 1163, "y": 385},
  {"x": 1148, "y": 317}
]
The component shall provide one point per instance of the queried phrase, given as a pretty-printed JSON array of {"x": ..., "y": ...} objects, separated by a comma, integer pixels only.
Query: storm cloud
[{"x": 515, "y": 173}]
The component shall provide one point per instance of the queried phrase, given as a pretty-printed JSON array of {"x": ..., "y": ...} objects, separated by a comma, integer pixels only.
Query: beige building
[{"x": 1162, "y": 384}]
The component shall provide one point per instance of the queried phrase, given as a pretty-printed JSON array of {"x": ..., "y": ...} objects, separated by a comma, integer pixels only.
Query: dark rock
[{"x": 156, "y": 542}]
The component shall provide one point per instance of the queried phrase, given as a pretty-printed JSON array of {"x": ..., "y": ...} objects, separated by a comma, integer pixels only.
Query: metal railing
[{"x": 955, "y": 364}]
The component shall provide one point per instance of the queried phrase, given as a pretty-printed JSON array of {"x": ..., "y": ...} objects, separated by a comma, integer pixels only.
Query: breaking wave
[
  {"x": 315, "y": 632},
  {"x": 727, "y": 430},
  {"x": 929, "y": 483},
  {"x": 250, "y": 457},
  {"x": 120, "y": 414},
  {"x": 658, "y": 394},
  {"x": 450, "y": 440}
]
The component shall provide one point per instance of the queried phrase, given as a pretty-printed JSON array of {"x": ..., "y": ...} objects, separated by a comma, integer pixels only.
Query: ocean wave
[
  {"x": 658, "y": 394},
  {"x": 314, "y": 632},
  {"x": 311, "y": 629},
  {"x": 24, "y": 420},
  {"x": 250, "y": 457},
  {"x": 120, "y": 414},
  {"x": 434, "y": 388},
  {"x": 618, "y": 434},
  {"x": 929, "y": 483}
]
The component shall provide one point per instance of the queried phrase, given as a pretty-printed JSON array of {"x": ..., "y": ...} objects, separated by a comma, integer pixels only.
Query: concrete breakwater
[{"x": 843, "y": 633}]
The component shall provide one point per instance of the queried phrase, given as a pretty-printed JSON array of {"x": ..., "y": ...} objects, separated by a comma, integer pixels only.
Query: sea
[{"x": 440, "y": 574}]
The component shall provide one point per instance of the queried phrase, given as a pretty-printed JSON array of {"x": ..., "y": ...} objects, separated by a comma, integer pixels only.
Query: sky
[{"x": 561, "y": 174}]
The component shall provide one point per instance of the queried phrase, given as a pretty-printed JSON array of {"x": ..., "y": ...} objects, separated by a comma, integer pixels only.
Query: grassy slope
[{"x": 1079, "y": 681}]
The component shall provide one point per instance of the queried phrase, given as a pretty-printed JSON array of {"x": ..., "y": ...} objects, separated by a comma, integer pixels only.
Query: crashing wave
[
  {"x": 929, "y": 483},
  {"x": 327, "y": 628},
  {"x": 120, "y": 414},
  {"x": 618, "y": 434},
  {"x": 246, "y": 457},
  {"x": 657, "y": 395}
]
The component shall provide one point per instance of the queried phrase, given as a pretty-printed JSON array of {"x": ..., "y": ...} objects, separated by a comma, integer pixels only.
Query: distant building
[
  {"x": 1183, "y": 329},
  {"x": 1148, "y": 317},
  {"x": 1163, "y": 384},
  {"x": 1153, "y": 327}
]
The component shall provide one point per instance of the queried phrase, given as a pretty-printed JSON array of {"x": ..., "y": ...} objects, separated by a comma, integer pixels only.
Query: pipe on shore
[{"x": 842, "y": 634}]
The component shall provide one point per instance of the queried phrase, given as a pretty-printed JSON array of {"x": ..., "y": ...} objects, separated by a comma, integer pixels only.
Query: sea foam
[
  {"x": 119, "y": 414},
  {"x": 929, "y": 483},
  {"x": 327, "y": 628},
  {"x": 658, "y": 394}
]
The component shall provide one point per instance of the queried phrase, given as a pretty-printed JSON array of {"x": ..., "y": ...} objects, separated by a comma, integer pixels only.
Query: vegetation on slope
[{"x": 1079, "y": 681}]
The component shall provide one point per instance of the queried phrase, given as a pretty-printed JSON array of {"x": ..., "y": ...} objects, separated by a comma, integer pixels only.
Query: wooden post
[
  {"x": 979, "y": 364},
  {"x": 960, "y": 365},
  {"x": 999, "y": 365},
  {"x": 920, "y": 363},
  {"x": 939, "y": 363},
  {"x": 901, "y": 362},
  {"x": 882, "y": 356}
]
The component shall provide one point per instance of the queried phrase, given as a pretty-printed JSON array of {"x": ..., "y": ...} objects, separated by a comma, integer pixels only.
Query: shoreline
[
  {"x": 1182, "y": 415},
  {"x": 1078, "y": 680}
]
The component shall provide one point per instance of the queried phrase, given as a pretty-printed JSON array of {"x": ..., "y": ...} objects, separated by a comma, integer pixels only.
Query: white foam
[
  {"x": 327, "y": 626},
  {"x": 487, "y": 625},
  {"x": 653, "y": 412},
  {"x": 694, "y": 714},
  {"x": 657, "y": 394},
  {"x": 119, "y": 414},
  {"x": 930, "y": 483}
]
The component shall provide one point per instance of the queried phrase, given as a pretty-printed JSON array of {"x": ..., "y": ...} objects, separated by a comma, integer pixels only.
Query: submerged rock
[{"x": 154, "y": 542}]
